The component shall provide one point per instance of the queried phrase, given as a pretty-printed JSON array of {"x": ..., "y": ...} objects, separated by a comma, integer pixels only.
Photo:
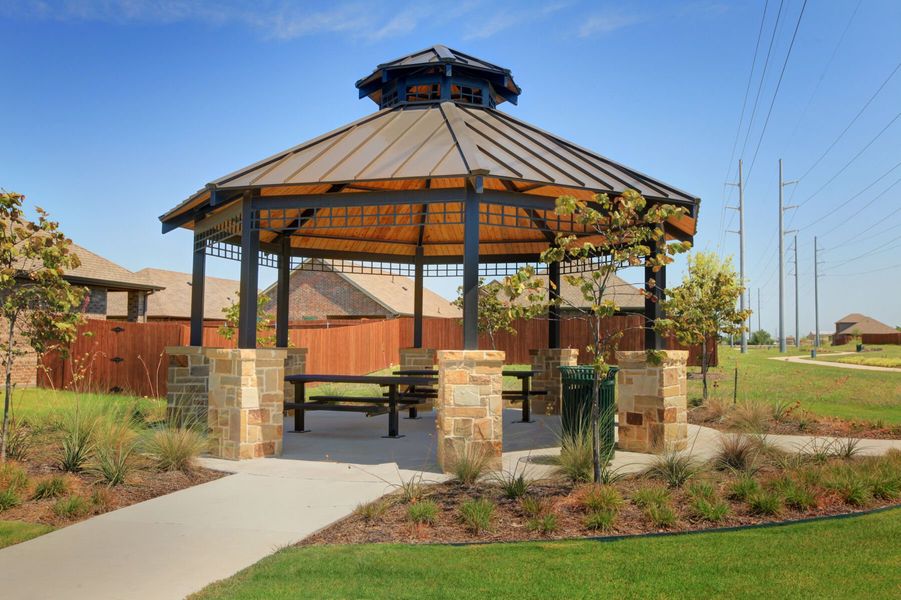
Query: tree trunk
[
  {"x": 704, "y": 364},
  {"x": 4, "y": 431},
  {"x": 595, "y": 407}
]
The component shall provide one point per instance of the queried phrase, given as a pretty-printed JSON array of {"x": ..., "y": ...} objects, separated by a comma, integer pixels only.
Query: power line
[
  {"x": 856, "y": 273},
  {"x": 880, "y": 248},
  {"x": 865, "y": 206}
]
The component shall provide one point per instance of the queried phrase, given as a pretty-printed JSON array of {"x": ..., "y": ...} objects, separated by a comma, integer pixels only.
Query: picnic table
[
  {"x": 370, "y": 405},
  {"x": 522, "y": 395}
]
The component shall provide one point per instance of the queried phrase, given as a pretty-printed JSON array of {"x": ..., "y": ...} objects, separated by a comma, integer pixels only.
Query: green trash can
[{"x": 575, "y": 414}]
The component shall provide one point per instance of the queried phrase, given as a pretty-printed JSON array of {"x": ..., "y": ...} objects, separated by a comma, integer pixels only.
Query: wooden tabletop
[
  {"x": 521, "y": 374},
  {"x": 375, "y": 379}
]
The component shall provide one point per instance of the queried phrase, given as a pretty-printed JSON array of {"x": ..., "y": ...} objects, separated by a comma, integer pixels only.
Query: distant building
[
  {"x": 856, "y": 324},
  {"x": 627, "y": 297},
  {"x": 173, "y": 301}
]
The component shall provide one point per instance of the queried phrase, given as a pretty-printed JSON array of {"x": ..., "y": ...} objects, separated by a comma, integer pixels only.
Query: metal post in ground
[{"x": 741, "y": 247}]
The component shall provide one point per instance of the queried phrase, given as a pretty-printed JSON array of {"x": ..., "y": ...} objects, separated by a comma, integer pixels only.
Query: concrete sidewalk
[
  {"x": 174, "y": 545},
  {"x": 825, "y": 363}
]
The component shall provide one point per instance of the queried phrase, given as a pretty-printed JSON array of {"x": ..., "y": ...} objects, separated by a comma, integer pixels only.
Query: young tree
[
  {"x": 705, "y": 305},
  {"x": 494, "y": 313},
  {"x": 264, "y": 320},
  {"x": 619, "y": 232},
  {"x": 38, "y": 308},
  {"x": 761, "y": 337}
]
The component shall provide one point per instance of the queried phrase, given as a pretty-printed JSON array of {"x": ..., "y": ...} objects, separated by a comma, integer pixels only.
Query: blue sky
[{"x": 114, "y": 111}]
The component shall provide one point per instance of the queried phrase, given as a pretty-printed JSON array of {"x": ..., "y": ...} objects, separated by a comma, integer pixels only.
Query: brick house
[
  {"x": 856, "y": 324},
  {"x": 173, "y": 301},
  {"x": 628, "y": 297},
  {"x": 322, "y": 293}
]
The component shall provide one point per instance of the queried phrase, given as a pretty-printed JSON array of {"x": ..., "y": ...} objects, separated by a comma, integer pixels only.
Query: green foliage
[
  {"x": 650, "y": 495},
  {"x": 797, "y": 495},
  {"x": 71, "y": 507},
  {"x": 424, "y": 512},
  {"x": 744, "y": 487},
  {"x": 18, "y": 440},
  {"x": 574, "y": 463},
  {"x": 661, "y": 515},
  {"x": 372, "y": 511},
  {"x": 736, "y": 453},
  {"x": 173, "y": 448},
  {"x": 761, "y": 337},
  {"x": 545, "y": 524},
  {"x": 12, "y": 477},
  {"x": 532, "y": 506},
  {"x": 469, "y": 465},
  {"x": 765, "y": 503},
  {"x": 78, "y": 441},
  {"x": 513, "y": 484},
  {"x": 851, "y": 484},
  {"x": 602, "y": 498},
  {"x": 9, "y": 498},
  {"x": 629, "y": 233},
  {"x": 477, "y": 514},
  {"x": 495, "y": 313},
  {"x": 265, "y": 320},
  {"x": 705, "y": 503},
  {"x": 38, "y": 307},
  {"x": 600, "y": 520},
  {"x": 52, "y": 487},
  {"x": 412, "y": 490},
  {"x": 673, "y": 468}
]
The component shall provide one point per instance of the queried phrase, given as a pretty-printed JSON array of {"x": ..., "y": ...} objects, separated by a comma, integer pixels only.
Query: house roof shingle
[
  {"x": 857, "y": 323},
  {"x": 624, "y": 294},
  {"x": 174, "y": 301}
]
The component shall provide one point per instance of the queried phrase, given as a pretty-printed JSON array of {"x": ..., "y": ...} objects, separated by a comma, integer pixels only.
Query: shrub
[
  {"x": 52, "y": 487},
  {"x": 744, "y": 488},
  {"x": 701, "y": 489},
  {"x": 371, "y": 511},
  {"x": 112, "y": 457},
  {"x": 852, "y": 487},
  {"x": 765, "y": 502},
  {"x": 650, "y": 495},
  {"x": 469, "y": 465},
  {"x": 412, "y": 489},
  {"x": 70, "y": 507},
  {"x": 885, "y": 480},
  {"x": 18, "y": 440},
  {"x": 660, "y": 515},
  {"x": 600, "y": 520},
  {"x": 750, "y": 416},
  {"x": 78, "y": 442},
  {"x": 736, "y": 453},
  {"x": 532, "y": 506},
  {"x": 423, "y": 513},
  {"x": 477, "y": 515},
  {"x": 12, "y": 477},
  {"x": 575, "y": 462},
  {"x": 513, "y": 485},
  {"x": 673, "y": 468},
  {"x": 545, "y": 524},
  {"x": 174, "y": 448},
  {"x": 9, "y": 498},
  {"x": 798, "y": 496},
  {"x": 602, "y": 497}
]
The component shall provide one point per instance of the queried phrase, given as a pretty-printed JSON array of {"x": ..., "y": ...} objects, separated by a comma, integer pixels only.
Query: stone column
[
  {"x": 295, "y": 364},
  {"x": 418, "y": 358},
  {"x": 547, "y": 361},
  {"x": 246, "y": 402},
  {"x": 470, "y": 406},
  {"x": 187, "y": 384},
  {"x": 651, "y": 401}
]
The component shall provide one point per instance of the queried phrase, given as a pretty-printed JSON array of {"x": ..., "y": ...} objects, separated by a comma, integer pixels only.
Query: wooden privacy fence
[
  {"x": 869, "y": 338},
  {"x": 113, "y": 356}
]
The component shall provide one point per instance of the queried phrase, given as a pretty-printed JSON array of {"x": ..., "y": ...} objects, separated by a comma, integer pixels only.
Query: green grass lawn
[
  {"x": 812, "y": 560},
  {"x": 826, "y": 391},
  {"x": 40, "y": 405},
  {"x": 13, "y": 532},
  {"x": 886, "y": 356}
]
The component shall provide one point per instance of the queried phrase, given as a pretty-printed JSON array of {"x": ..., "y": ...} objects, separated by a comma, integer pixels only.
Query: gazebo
[{"x": 437, "y": 182}]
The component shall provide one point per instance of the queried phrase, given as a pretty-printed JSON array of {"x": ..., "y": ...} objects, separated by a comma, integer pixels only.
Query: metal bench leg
[
  {"x": 412, "y": 412},
  {"x": 393, "y": 421},
  {"x": 526, "y": 407},
  {"x": 299, "y": 412}
]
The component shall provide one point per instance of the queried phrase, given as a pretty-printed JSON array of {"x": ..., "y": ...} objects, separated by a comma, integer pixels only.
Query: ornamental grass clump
[
  {"x": 750, "y": 416},
  {"x": 424, "y": 512},
  {"x": 852, "y": 485},
  {"x": 469, "y": 465},
  {"x": 649, "y": 495},
  {"x": 765, "y": 503},
  {"x": 743, "y": 488},
  {"x": 514, "y": 485},
  {"x": 544, "y": 524},
  {"x": 372, "y": 511},
  {"x": 672, "y": 467},
  {"x": 51, "y": 487},
  {"x": 602, "y": 497},
  {"x": 705, "y": 503},
  {"x": 114, "y": 450},
  {"x": 78, "y": 442},
  {"x": 532, "y": 506},
  {"x": 71, "y": 507},
  {"x": 575, "y": 461},
  {"x": 477, "y": 515},
  {"x": 9, "y": 498},
  {"x": 736, "y": 453},
  {"x": 12, "y": 477},
  {"x": 173, "y": 448},
  {"x": 600, "y": 520},
  {"x": 18, "y": 440}
]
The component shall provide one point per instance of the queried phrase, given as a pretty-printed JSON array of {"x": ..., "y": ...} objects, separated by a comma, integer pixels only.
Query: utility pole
[
  {"x": 816, "y": 296},
  {"x": 741, "y": 247},
  {"x": 797, "y": 329},
  {"x": 782, "y": 233},
  {"x": 758, "y": 309}
]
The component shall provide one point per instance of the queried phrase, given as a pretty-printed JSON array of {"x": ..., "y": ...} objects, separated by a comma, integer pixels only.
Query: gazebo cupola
[{"x": 439, "y": 74}]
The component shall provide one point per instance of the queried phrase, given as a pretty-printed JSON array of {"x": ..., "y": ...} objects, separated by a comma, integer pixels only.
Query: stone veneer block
[
  {"x": 418, "y": 358},
  {"x": 470, "y": 406},
  {"x": 652, "y": 401},
  {"x": 295, "y": 364},
  {"x": 547, "y": 363},
  {"x": 187, "y": 384},
  {"x": 246, "y": 401}
]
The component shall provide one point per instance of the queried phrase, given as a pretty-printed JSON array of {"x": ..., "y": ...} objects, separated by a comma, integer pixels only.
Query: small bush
[
  {"x": 765, "y": 503},
  {"x": 18, "y": 440},
  {"x": 174, "y": 448},
  {"x": 372, "y": 511},
  {"x": 71, "y": 507},
  {"x": 743, "y": 488},
  {"x": 113, "y": 460},
  {"x": 513, "y": 485},
  {"x": 600, "y": 520},
  {"x": 799, "y": 497},
  {"x": 709, "y": 509},
  {"x": 660, "y": 515},
  {"x": 602, "y": 497},
  {"x": 736, "y": 453},
  {"x": 9, "y": 498},
  {"x": 575, "y": 462},
  {"x": 545, "y": 524},
  {"x": 12, "y": 477},
  {"x": 885, "y": 481},
  {"x": 650, "y": 496},
  {"x": 52, "y": 487},
  {"x": 852, "y": 487},
  {"x": 750, "y": 416},
  {"x": 102, "y": 498},
  {"x": 477, "y": 515},
  {"x": 412, "y": 489},
  {"x": 702, "y": 489},
  {"x": 532, "y": 506},
  {"x": 78, "y": 442},
  {"x": 469, "y": 465},
  {"x": 423, "y": 513},
  {"x": 673, "y": 468}
]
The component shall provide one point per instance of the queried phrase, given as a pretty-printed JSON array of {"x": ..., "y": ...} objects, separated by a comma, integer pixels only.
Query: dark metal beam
[
  {"x": 553, "y": 311},
  {"x": 653, "y": 309},
  {"x": 249, "y": 286},
  {"x": 471, "y": 267},
  {"x": 282, "y": 303},
  {"x": 198, "y": 281},
  {"x": 417, "y": 298}
]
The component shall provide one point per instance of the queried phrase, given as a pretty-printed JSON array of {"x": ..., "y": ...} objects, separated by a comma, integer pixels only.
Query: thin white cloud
[
  {"x": 507, "y": 18},
  {"x": 604, "y": 23}
]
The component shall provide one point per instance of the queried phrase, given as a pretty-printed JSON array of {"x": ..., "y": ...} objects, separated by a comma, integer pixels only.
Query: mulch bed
[
  {"x": 821, "y": 426},
  {"x": 510, "y": 524}
]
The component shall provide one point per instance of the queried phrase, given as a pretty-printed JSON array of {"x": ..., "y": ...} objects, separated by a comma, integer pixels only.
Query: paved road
[{"x": 825, "y": 363}]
